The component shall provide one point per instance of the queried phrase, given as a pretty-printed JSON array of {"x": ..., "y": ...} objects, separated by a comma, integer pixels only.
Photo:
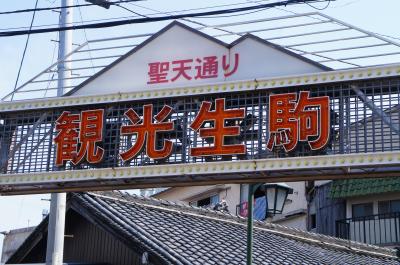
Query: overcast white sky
[{"x": 21, "y": 211}]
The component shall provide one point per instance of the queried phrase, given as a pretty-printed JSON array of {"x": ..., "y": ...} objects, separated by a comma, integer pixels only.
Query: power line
[
  {"x": 127, "y": 9},
  {"x": 23, "y": 54},
  {"x": 59, "y": 7},
  {"x": 320, "y": 9},
  {"x": 145, "y": 15},
  {"x": 155, "y": 19},
  {"x": 184, "y": 19},
  {"x": 237, "y": 15},
  {"x": 195, "y": 9}
]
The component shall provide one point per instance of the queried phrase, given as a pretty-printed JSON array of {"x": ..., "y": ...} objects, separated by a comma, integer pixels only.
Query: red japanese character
[
  {"x": 146, "y": 132},
  {"x": 158, "y": 72},
  {"x": 181, "y": 68},
  {"x": 219, "y": 131},
  {"x": 282, "y": 121},
  {"x": 66, "y": 140},
  {"x": 290, "y": 122},
  {"x": 73, "y": 132},
  {"x": 226, "y": 66},
  {"x": 313, "y": 122},
  {"x": 208, "y": 69},
  {"x": 91, "y": 132}
]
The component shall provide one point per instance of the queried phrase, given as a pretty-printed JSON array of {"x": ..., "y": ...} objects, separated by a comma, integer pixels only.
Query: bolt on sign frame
[{"x": 364, "y": 138}]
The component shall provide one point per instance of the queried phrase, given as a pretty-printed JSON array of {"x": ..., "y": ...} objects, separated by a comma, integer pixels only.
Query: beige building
[{"x": 294, "y": 212}]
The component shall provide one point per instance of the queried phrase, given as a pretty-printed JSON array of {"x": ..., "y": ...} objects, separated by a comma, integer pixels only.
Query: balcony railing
[{"x": 380, "y": 229}]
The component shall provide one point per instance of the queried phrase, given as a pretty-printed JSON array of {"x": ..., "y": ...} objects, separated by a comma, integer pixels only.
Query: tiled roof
[
  {"x": 181, "y": 234},
  {"x": 359, "y": 187}
]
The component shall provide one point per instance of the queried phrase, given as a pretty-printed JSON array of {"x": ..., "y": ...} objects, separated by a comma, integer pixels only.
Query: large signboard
[
  {"x": 288, "y": 133},
  {"x": 189, "y": 109},
  {"x": 80, "y": 136}
]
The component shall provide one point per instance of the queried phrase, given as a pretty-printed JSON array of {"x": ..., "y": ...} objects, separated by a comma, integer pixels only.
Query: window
[
  {"x": 362, "y": 210},
  {"x": 313, "y": 221},
  {"x": 385, "y": 207},
  {"x": 207, "y": 202}
]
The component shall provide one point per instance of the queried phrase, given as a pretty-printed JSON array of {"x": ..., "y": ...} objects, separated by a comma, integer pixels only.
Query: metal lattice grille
[{"x": 365, "y": 117}]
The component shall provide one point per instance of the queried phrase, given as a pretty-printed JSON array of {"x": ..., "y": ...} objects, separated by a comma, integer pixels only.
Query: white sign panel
[{"x": 180, "y": 56}]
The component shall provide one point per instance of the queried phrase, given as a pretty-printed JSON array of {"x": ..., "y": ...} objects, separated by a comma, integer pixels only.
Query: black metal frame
[{"x": 356, "y": 127}]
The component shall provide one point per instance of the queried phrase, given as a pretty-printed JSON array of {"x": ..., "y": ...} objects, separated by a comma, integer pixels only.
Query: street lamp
[{"x": 275, "y": 194}]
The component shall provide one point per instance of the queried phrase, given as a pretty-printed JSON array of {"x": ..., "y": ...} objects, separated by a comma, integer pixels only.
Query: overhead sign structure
[
  {"x": 202, "y": 115},
  {"x": 79, "y": 136}
]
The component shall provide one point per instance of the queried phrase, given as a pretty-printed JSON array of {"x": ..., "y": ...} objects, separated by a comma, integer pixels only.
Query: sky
[{"x": 21, "y": 211}]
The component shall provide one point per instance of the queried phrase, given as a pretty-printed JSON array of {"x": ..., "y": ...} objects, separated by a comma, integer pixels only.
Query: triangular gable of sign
[{"x": 179, "y": 56}]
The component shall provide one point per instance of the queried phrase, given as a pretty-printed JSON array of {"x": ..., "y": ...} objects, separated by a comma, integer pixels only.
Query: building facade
[
  {"x": 235, "y": 195},
  {"x": 363, "y": 210}
]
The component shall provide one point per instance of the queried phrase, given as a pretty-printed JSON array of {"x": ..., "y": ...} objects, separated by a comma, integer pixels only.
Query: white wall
[
  {"x": 228, "y": 192},
  {"x": 297, "y": 200},
  {"x": 370, "y": 198}
]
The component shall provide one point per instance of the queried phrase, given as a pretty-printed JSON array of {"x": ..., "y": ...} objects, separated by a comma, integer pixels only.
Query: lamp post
[{"x": 275, "y": 194}]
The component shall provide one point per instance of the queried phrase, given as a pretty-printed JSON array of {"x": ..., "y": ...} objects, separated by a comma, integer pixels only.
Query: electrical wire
[
  {"x": 24, "y": 52},
  {"x": 146, "y": 15},
  {"x": 238, "y": 15},
  {"x": 155, "y": 19},
  {"x": 193, "y": 9},
  {"x": 184, "y": 19},
  {"x": 243, "y": 14},
  {"x": 59, "y": 7},
  {"x": 320, "y": 9},
  {"x": 127, "y": 9}
]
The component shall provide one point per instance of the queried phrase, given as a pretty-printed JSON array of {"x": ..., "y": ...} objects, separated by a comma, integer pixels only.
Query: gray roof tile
[{"x": 197, "y": 236}]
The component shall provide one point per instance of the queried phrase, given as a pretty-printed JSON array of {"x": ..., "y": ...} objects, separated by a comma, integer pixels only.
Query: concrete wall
[
  {"x": 228, "y": 192},
  {"x": 13, "y": 240},
  {"x": 297, "y": 200}
]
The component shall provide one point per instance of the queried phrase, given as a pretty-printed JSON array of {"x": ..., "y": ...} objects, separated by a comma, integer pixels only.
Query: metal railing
[{"x": 379, "y": 229}]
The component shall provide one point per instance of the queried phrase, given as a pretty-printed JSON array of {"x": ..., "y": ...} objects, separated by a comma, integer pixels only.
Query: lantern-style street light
[{"x": 276, "y": 195}]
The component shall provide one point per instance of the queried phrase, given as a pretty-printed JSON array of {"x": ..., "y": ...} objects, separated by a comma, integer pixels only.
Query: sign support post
[
  {"x": 250, "y": 213},
  {"x": 56, "y": 226}
]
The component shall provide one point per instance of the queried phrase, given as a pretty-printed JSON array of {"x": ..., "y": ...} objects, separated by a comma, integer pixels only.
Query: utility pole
[{"x": 56, "y": 226}]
